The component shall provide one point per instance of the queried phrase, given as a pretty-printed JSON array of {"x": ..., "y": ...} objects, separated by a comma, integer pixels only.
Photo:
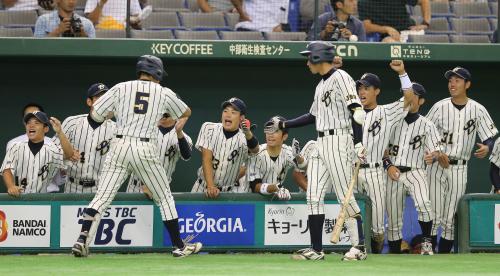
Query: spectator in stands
[
  {"x": 223, "y": 6},
  {"x": 64, "y": 22},
  {"x": 343, "y": 11},
  {"x": 390, "y": 17},
  {"x": 20, "y": 5},
  {"x": 111, "y": 14},
  {"x": 265, "y": 16}
]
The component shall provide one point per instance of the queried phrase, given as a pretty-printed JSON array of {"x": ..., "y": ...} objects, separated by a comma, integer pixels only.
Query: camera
[
  {"x": 75, "y": 27},
  {"x": 336, "y": 34}
]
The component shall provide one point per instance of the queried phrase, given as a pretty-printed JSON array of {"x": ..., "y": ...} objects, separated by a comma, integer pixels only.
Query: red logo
[{"x": 3, "y": 226}]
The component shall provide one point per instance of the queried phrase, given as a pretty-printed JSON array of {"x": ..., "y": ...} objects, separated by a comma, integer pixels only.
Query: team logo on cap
[
  {"x": 101, "y": 86},
  {"x": 364, "y": 76},
  {"x": 232, "y": 100},
  {"x": 456, "y": 69}
]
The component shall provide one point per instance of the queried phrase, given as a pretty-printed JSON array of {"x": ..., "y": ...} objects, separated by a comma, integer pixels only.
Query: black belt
[
  {"x": 329, "y": 132},
  {"x": 140, "y": 139},
  {"x": 403, "y": 169},
  {"x": 457, "y": 162},
  {"x": 365, "y": 166},
  {"x": 84, "y": 183}
]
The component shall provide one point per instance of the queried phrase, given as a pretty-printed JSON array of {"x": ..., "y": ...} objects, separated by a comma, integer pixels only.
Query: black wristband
[
  {"x": 252, "y": 142},
  {"x": 386, "y": 162}
]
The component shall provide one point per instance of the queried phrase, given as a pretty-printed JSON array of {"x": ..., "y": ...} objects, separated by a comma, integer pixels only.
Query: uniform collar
[
  {"x": 165, "y": 130},
  {"x": 35, "y": 147},
  {"x": 93, "y": 123},
  {"x": 327, "y": 75},
  {"x": 411, "y": 117}
]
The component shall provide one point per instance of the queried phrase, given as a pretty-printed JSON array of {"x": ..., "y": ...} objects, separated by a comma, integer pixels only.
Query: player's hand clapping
[{"x": 393, "y": 173}]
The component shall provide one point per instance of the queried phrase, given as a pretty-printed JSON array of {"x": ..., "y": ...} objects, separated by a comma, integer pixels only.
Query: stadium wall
[{"x": 272, "y": 80}]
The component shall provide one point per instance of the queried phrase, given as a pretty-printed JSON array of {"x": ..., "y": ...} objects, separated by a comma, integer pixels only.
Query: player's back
[{"x": 139, "y": 104}]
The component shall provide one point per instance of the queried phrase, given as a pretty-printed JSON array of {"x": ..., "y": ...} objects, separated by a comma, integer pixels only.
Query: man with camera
[
  {"x": 64, "y": 22},
  {"x": 340, "y": 25}
]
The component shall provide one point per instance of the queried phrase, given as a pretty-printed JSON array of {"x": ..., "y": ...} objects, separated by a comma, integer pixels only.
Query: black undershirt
[
  {"x": 274, "y": 158},
  {"x": 230, "y": 134},
  {"x": 327, "y": 75},
  {"x": 459, "y": 107},
  {"x": 368, "y": 110},
  {"x": 93, "y": 123},
  {"x": 165, "y": 130},
  {"x": 411, "y": 117},
  {"x": 35, "y": 147}
]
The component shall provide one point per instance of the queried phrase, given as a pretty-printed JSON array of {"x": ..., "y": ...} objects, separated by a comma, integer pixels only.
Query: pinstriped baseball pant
[
  {"x": 372, "y": 181},
  {"x": 130, "y": 155}
]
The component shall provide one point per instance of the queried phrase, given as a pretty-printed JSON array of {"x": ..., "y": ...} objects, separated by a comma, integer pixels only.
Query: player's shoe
[
  {"x": 189, "y": 248},
  {"x": 356, "y": 253},
  {"x": 308, "y": 254},
  {"x": 80, "y": 249},
  {"x": 426, "y": 248}
]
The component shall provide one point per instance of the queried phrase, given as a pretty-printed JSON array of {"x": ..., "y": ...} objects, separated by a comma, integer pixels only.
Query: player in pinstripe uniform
[
  {"x": 224, "y": 149},
  {"x": 137, "y": 106},
  {"x": 28, "y": 108},
  {"x": 376, "y": 133},
  {"x": 173, "y": 144},
  {"x": 495, "y": 167},
  {"x": 336, "y": 111},
  {"x": 414, "y": 143},
  {"x": 268, "y": 168},
  {"x": 458, "y": 120},
  {"x": 88, "y": 143},
  {"x": 300, "y": 175},
  {"x": 28, "y": 165}
]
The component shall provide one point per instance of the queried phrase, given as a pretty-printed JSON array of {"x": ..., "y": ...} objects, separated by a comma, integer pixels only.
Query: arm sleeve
[
  {"x": 205, "y": 137},
  {"x": 486, "y": 126},
  {"x": 105, "y": 104},
  {"x": 433, "y": 139},
  {"x": 41, "y": 27},
  {"x": 89, "y": 28},
  {"x": 10, "y": 159},
  {"x": 283, "y": 12},
  {"x": 254, "y": 170},
  {"x": 57, "y": 157},
  {"x": 185, "y": 147},
  {"x": 395, "y": 111},
  {"x": 433, "y": 115},
  {"x": 361, "y": 32},
  {"x": 347, "y": 87},
  {"x": 90, "y": 6},
  {"x": 173, "y": 104},
  {"x": 300, "y": 121},
  {"x": 135, "y": 7}
]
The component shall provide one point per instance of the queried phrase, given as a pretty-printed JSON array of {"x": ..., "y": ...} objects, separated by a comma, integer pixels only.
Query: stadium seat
[
  {"x": 307, "y": 8},
  {"x": 286, "y": 36},
  {"x": 471, "y": 26},
  {"x": 162, "y": 20},
  {"x": 167, "y": 5},
  {"x": 439, "y": 25},
  {"x": 443, "y": 38},
  {"x": 110, "y": 34},
  {"x": 166, "y": 34},
  {"x": 193, "y": 5},
  {"x": 494, "y": 23},
  {"x": 474, "y": 9},
  {"x": 18, "y": 18},
  {"x": 16, "y": 32},
  {"x": 494, "y": 8},
  {"x": 241, "y": 36},
  {"x": 470, "y": 39},
  {"x": 194, "y": 35},
  {"x": 232, "y": 19},
  {"x": 440, "y": 9},
  {"x": 204, "y": 21}
]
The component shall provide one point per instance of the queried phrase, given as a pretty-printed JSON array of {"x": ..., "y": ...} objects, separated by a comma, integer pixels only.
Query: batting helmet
[
  {"x": 150, "y": 65},
  {"x": 319, "y": 51}
]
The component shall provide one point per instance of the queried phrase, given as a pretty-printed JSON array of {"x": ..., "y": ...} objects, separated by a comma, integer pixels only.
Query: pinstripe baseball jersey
[
  {"x": 377, "y": 128},
  {"x": 495, "y": 153},
  {"x": 92, "y": 140},
  {"x": 458, "y": 127},
  {"x": 269, "y": 170},
  {"x": 331, "y": 101},
  {"x": 410, "y": 141},
  {"x": 24, "y": 138},
  {"x": 228, "y": 154},
  {"x": 306, "y": 152},
  {"x": 138, "y": 105},
  {"x": 169, "y": 152},
  {"x": 33, "y": 171}
]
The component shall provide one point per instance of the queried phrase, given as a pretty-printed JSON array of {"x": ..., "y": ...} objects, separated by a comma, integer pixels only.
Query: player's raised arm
[
  {"x": 399, "y": 67},
  {"x": 105, "y": 105},
  {"x": 185, "y": 147},
  {"x": 65, "y": 143}
]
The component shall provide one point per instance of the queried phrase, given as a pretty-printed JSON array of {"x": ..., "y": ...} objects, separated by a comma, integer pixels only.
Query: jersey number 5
[{"x": 141, "y": 103}]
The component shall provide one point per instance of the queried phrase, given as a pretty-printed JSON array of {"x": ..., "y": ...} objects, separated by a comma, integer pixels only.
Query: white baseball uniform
[
  {"x": 169, "y": 154},
  {"x": 409, "y": 142},
  {"x": 92, "y": 140},
  {"x": 306, "y": 153},
  {"x": 32, "y": 168},
  {"x": 272, "y": 170},
  {"x": 137, "y": 106},
  {"x": 229, "y": 155},
  {"x": 495, "y": 154},
  {"x": 458, "y": 128}
]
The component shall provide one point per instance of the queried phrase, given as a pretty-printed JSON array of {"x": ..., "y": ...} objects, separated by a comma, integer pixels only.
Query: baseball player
[
  {"x": 495, "y": 167},
  {"x": 337, "y": 112},
  {"x": 28, "y": 108},
  {"x": 87, "y": 145},
  {"x": 224, "y": 149},
  {"x": 414, "y": 143},
  {"x": 28, "y": 165},
  {"x": 173, "y": 144},
  {"x": 300, "y": 175},
  {"x": 458, "y": 119},
  {"x": 268, "y": 168},
  {"x": 377, "y": 128},
  {"x": 137, "y": 106}
]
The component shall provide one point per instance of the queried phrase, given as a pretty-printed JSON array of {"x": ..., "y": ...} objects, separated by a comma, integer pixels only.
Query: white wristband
[
  {"x": 263, "y": 189},
  {"x": 405, "y": 82}
]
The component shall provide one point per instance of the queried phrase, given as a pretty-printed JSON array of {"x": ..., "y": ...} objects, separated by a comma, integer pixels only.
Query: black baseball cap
[
  {"x": 369, "y": 79},
  {"x": 271, "y": 121},
  {"x": 418, "y": 89},
  {"x": 237, "y": 104},
  {"x": 96, "y": 89},
  {"x": 459, "y": 72},
  {"x": 39, "y": 115}
]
